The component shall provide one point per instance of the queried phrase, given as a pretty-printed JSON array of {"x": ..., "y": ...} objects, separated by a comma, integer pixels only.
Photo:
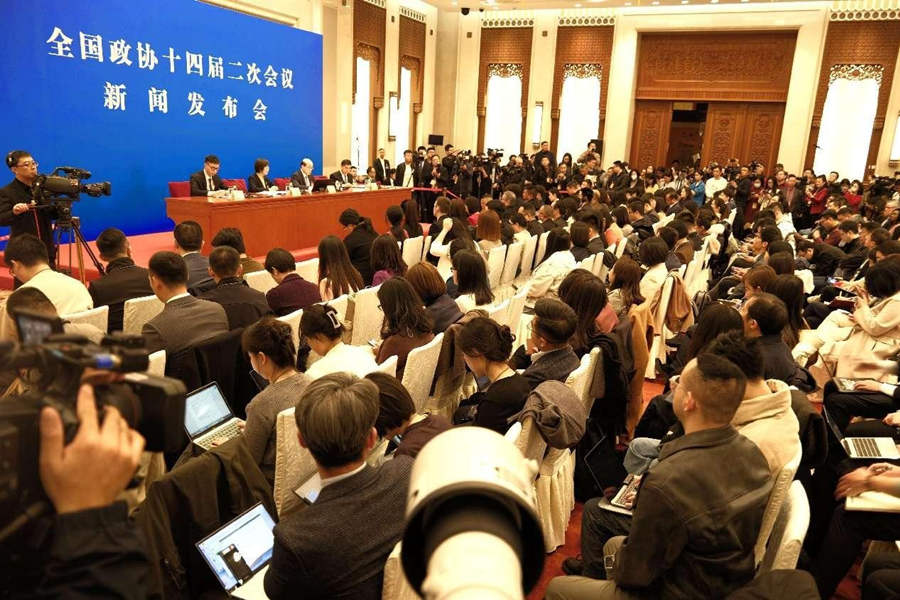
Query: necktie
[{"x": 209, "y": 184}]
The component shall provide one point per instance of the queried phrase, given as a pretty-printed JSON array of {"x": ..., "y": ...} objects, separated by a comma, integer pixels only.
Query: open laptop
[
  {"x": 239, "y": 552},
  {"x": 864, "y": 447},
  {"x": 208, "y": 418}
]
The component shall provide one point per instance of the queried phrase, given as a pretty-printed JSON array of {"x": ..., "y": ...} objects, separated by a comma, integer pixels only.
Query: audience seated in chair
[
  {"x": 232, "y": 237},
  {"x": 653, "y": 252},
  {"x": 406, "y": 324},
  {"x": 427, "y": 282},
  {"x": 123, "y": 280},
  {"x": 585, "y": 293},
  {"x": 387, "y": 261},
  {"x": 557, "y": 263},
  {"x": 185, "y": 320},
  {"x": 26, "y": 257},
  {"x": 337, "y": 547},
  {"x": 243, "y": 305},
  {"x": 765, "y": 316},
  {"x": 471, "y": 279},
  {"x": 358, "y": 243},
  {"x": 337, "y": 275},
  {"x": 321, "y": 326},
  {"x": 292, "y": 292},
  {"x": 547, "y": 355},
  {"x": 189, "y": 243}
]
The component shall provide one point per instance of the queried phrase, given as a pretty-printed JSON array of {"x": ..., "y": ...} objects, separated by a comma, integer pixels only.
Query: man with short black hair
[
  {"x": 764, "y": 316},
  {"x": 243, "y": 305},
  {"x": 405, "y": 173},
  {"x": 26, "y": 257},
  {"x": 206, "y": 181},
  {"x": 383, "y": 168},
  {"x": 34, "y": 300},
  {"x": 185, "y": 321},
  {"x": 292, "y": 292},
  {"x": 342, "y": 177},
  {"x": 233, "y": 238},
  {"x": 123, "y": 279},
  {"x": 17, "y": 207},
  {"x": 188, "y": 243},
  {"x": 337, "y": 547}
]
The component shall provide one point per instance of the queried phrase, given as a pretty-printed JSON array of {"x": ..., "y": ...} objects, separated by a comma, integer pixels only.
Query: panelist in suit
[
  {"x": 123, "y": 279},
  {"x": 185, "y": 321},
  {"x": 405, "y": 173},
  {"x": 259, "y": 181},
  {"x": 337, "y": 547},
  {"x": 343, "y": 177},
  {"x": 188, "y": 242},
  {"x": 382, "y": 168},
  {"x": 243, "y": 305},
  {"x": 303, "y": 178},
  {"x": 206, "y": 181}
]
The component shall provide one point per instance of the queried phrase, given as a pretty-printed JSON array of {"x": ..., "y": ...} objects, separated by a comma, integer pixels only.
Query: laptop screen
[
  {"x": 205, "y": 408},
  {"x": 240, "y": 548}
]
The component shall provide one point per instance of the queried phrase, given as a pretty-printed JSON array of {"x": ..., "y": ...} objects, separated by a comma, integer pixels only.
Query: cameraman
[
  {"x": 18, "y": 210},
  {"x": 95, "y": 551}
]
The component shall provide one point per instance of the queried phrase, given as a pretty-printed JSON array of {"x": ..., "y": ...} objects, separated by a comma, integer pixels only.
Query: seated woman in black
[
  {"x": 547, "y": 354},
  {"x": 486, "y": 347}
]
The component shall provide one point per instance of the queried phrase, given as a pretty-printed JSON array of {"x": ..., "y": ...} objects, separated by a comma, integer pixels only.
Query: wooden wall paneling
[
  {"x": 724, "y": 128},
  {"x": 507, "y": 45},
  {"x": 369, "y": 23},
  {"x": 412, "y": 57},
  {"x": 649, "y": 141},
  {"x": 762, "y": 133}
]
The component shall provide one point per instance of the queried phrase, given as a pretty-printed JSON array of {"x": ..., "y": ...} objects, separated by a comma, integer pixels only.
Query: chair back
[
  {"x": 499, "y": 312},
  {"x": 495, "y": 265},
  {"x": 156, "y": 363},
  {"x": 620, "y": 249},
  {"x": 260, "y": 280},
  {"x": 599, "y": 267},
  {"x": 293, "y": 463},
  {"x": 389, "y": 366},
  {"x": 308, "y": 269},
  {"x": 419, "y": 374},
  {"x": 367, "y": 318},
  {"x": 281, "y": 182},
  {"x": 579, "y": 380},
  {"x": 221, "y": 359},
  {"x": 530, "y": 442},
  {"x": 777, "y": 497},
  {"x": 395, "y": 585},
  {"x": 658, "y": 323},
  {"x": 293, "y": 319},
  {"x": 138, "y": 311},
  {"x": 426, "y": 246},
  {"x": 789, "y": 531},
  {"x": 240, "y": 184},
  {"x": 412, "y": 250},
  {"x": 98, "y": 317},
  {"x": 541, "y": 248},
  {"x": 340, "y": 304},
  {"x": 511, "y": 264},
  {"x": 587, "y": 263},
  {"x": 528, "y": 252},
  {"x": 180, "y": 189},
  {"x": 516, "y": 306}
]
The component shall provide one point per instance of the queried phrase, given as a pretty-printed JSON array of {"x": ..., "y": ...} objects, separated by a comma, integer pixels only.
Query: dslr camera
[{"x": 54, "y": 364}]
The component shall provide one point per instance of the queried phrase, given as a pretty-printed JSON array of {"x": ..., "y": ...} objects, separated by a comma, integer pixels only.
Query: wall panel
[{"x": 507, "y": 46}]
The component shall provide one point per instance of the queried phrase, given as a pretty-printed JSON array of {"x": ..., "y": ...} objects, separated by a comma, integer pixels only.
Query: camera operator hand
[
  {"x": 21, "y": 207},
  {"x": 96, "y": 466}
]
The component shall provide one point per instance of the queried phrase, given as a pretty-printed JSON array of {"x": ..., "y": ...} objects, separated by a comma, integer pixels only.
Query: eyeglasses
[{"x": 28, "y": 164}]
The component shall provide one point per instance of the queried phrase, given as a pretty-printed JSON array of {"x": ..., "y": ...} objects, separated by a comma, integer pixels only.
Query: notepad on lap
[{"x": 874, "y": 502}]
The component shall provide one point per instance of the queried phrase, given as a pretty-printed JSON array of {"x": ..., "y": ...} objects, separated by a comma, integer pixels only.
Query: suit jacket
[
  {"x": 198, "y": 183},
  {"x": 254, "y": 185},
  {"x": 338, "y": 177},
  {"x": 184, "y": 323},
  {"x": 336, "y": 548},
  {"x": 382, "y": 166},
  {"x": 359, "y": 247},
  {"x": 551, "y": 366},
  {"x": 400, "y": 174},
  {"x": 293, "y": 293},
  {"x": 597, "y": 245},
  {"x": 123, "y": 281},
  {"x": 17, "y": 192},
  {"x": 243, "y": 305},
  {"x": 302, "y": 180},
  {"x": 198, "y": 268}
]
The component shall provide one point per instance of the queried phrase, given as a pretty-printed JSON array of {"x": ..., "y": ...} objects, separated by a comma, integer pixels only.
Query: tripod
[{"x": 68, "y": 232}]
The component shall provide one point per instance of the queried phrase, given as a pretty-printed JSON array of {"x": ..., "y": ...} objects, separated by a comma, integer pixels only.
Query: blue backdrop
[{"x": 139, "y": 92}]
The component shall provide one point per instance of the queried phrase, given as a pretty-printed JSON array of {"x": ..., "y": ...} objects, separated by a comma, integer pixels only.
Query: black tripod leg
[{"x": 83, "y": 243}]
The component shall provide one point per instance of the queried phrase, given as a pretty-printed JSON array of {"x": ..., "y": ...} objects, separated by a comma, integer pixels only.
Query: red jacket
[{"x": 817, "y": 201}]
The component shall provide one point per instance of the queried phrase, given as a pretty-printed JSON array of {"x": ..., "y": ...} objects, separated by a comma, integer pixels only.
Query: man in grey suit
[
  {"x": 337, "y": 547},
  {"x": 185, "y": 321},
  {"x": 188, "y": 242}
]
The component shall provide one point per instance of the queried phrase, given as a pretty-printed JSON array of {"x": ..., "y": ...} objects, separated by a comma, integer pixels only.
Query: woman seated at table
[
  {"x": 470, "y": 277},
  {"x": 270, "y": 345},
  {"x": 387, "y": 261},
  {"x": 406, "y": 325},
  {"x": 425, "y": 279},
  {"x": 337, "y": 275},
  {"x": 259, "y": 181},
  {"x": 322, "y": 329},
  {"x": 486, "y": 347}
]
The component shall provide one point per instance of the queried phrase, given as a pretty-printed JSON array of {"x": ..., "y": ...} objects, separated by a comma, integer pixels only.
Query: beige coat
[{"x": 769, "y": 422}]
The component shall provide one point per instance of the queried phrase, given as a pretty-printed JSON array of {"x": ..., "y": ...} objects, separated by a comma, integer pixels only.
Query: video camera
[
  {"x": 66, "y": 182},
  {"x": 55, "y": 363},
  {"x": 495, "y": 153}
]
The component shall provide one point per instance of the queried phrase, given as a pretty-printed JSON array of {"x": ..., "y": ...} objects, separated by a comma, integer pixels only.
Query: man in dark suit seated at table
[
  {"x": 123, "y": 279},
  {"x": 206, "y": 181},
  {"x": 292, "y": 292},
  {"x": 243, "y": 305},
  {"x": 343, "y": 177},
  {"x": 185, "y": 321},
  {"x": 233, "y": 238},
  {"x": 303, "y": 178},
  {"x": 188, "y": 242},
  {"x": 337, "y": 547}
]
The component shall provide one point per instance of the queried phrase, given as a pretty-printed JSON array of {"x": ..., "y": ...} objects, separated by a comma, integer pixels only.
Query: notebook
[
  {"x": 864, "y": 447},
  {"x": 873, "y": 502},
  {"x": 239, "y": 552},
  {"x": 208, "y": 418}
]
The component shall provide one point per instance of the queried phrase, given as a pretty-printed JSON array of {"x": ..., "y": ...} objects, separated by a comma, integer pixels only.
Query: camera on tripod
[
  {"x": 55, "y": 363},
  {"x": 67, "y": 182}
]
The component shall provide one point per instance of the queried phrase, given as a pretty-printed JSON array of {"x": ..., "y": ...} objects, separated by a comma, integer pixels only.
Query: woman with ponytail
[
  {"x": 486, "y": 346},
  {"x": 270, "y": 346},
  {"x": 358, "y": 242},
  {"x": 322, "y": 329}
]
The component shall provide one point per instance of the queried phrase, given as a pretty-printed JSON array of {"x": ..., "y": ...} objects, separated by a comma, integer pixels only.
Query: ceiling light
[
  {"x": 577, "y": 6},
  {"x": 655, "y": 3},
  {"x": 713, "y": 1}
]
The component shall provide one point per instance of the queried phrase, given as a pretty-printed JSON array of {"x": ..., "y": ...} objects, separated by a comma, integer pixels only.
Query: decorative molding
[
  {"x": 378, "y": 3},
  {"x": 883, "y": 14},
  {"x": 583, "y": 70},
  {"x": 586, "y": 21},
  {"x": 506, "y": 22},
  {"x": 505, "y": 70},
  {"x": 411, "y": 14},
  {"x": 856, "y": 72},
  {"x": 368, "y": 52}
]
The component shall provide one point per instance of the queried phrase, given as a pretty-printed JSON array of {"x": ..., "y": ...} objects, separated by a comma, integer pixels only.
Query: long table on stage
[{"x": 289, "y": 222}]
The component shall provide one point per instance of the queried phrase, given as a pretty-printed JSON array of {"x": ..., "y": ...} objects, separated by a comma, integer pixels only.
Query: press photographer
[{"x": 18, "y": 210}]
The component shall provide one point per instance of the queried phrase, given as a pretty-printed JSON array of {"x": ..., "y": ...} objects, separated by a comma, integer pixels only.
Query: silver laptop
[
  {"x": 208, "y": 418},
  {"x": 864, "y": 447},
  {"x": 239, "y": 552}
]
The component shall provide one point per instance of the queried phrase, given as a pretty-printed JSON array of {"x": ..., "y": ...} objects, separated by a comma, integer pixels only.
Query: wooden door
[
  {"x": 762, "y": 133},
  {"x": 650, "y": 135},
  {"x": 748, "y": 131}
]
